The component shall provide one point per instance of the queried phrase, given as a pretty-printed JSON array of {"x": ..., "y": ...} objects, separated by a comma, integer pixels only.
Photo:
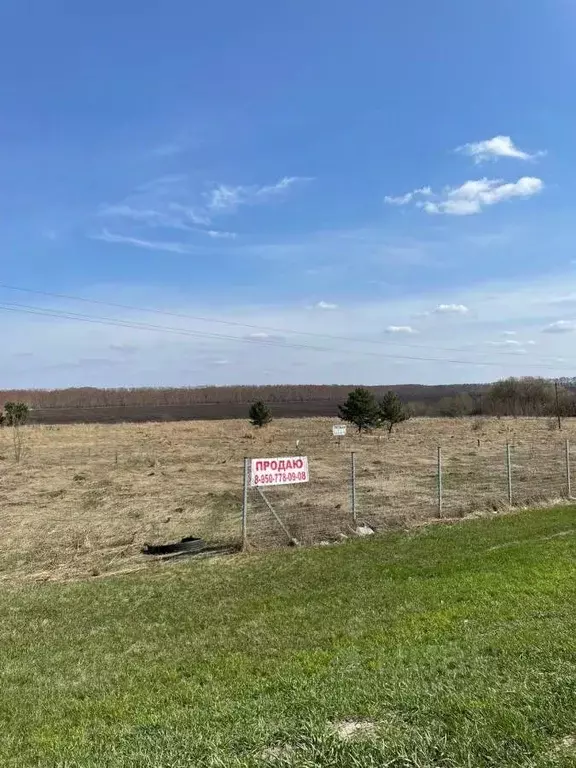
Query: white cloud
[
  {"x": 219, "y": 235},
  {"x": 150, "y": 245},
  {"x": 227, "y": 199},
  {"x": 167, "y": 358},
  {"x": 505, "y": 343},
  {"x": 161, "y": 184},
  {"x": 409, "y": 196},
  {"x": 492, "y": 149},
  {"x": 560, "y": 326},
  {"x": 451, "y": 309},
  {"x": 400, "y": 329},
  {"x": 509, "y": 333},
  {"x": 471, "y": 197},
  {"x": 224, "y": 198},
  {"x": 262, "y": 336},
  {"x": 171, "y": 219},
  {"x": 400, "y": 200},
  {"x": 531, "y": 342},
  {"x": 171, "y": 202},
  {"x": 325, "y": 305},
  {"x": 187, "y": 214}
]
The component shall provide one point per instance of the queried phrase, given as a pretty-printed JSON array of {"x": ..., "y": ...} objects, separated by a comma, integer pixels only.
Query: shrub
[
  {"x": 360, "y": 409},
  {"x": 393, "y": 411},
  {"x": 260, "y": 414}
]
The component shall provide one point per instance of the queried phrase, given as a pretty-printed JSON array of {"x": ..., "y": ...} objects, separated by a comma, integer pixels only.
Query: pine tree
[
  {"x": 260, "y": 414},
  {"x": 360, "y": 409},
  {"x": 15, "y": 414},
  {"x": 392, "y": 411}
]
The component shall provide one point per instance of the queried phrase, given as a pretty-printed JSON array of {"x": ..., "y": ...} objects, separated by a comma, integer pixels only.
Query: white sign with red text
[{"x": 284, "y": 470}]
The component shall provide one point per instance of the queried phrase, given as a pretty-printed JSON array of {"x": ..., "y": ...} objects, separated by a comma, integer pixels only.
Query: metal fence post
[
  {"x": 353, "y": 488},
  {"x": 509, "y": 472},
  {"x": 439, "y": 482},
  {"x": 245, "y": 502},
  {"x": 568, "y": 475}
]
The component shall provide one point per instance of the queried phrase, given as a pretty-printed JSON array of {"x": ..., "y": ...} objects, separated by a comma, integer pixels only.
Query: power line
[
  {"x": 118, "y": 322},
  {"x": 251, "y": 326},
  {"x": 115, "y": 322}
]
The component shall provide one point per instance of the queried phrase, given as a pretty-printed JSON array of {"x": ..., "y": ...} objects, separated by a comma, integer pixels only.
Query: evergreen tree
[
  {"x": 15, "y": 414},
  {"x": 392, "y": 411},
  {"x": 260, "y": 414},
  {"x": 360, "y": 409}
]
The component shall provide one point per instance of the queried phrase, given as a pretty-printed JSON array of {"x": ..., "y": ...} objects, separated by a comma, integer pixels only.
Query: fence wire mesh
[
  {"x": 389, "y": 495},
  {"x": 85, "y": 499},
  {"x": 310, "y": 512}
]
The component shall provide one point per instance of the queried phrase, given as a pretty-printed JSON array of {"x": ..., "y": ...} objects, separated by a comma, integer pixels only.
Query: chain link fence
[
  {"x": 363, "y": 489},
  {"x": 69, "y": 510}
]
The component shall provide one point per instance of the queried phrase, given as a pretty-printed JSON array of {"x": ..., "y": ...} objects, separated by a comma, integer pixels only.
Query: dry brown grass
[{"x": 85, "y": 498}]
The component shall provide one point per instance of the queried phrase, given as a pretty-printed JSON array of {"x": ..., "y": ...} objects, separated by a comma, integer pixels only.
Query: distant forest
[{"x": 527, "y": 396}]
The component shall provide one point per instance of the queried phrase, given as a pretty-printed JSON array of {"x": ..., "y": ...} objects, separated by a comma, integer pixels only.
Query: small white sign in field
[
  {"x": 285, "y": 470},
  {"x": 339, "y": 430}
]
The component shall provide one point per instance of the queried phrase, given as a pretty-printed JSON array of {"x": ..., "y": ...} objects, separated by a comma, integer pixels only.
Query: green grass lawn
[{"x": 452, "y": 645}]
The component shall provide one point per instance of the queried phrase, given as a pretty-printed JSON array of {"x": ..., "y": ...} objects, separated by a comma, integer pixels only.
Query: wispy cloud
[
  {"x": 569, "y": 298},
  {"x": 170, "y": 148},
  {"x": 451, "y": 309},
  {"x": 224, "y": 198},
  {"x": 560, "y": 326},
  {"x": 221, "y": 235},
  {"x": 189, "y": 213},
  {"x": 161, "y": 185},
  {"x": 505, "y": 343},
  {"x": 150, "y": 245},
  {"x": 227, "y": 199},
  {"x": 327, "y": 252},
  {"x": 518, "y": 304},
  {"x": 326, "y": 305},
  {"x": 408, "y": 197},
  {"x": 401, "y": 329},
  {"x": 170, "y": 202},
  {"x": 492, "y": 149},
  {"x": 162, "y": 202},
  {"x": 263, "y": 336},
  {"x": 471, "y": 197},
  {"x": 171, "y": 218},
  {"x": 124, "y": 349}
]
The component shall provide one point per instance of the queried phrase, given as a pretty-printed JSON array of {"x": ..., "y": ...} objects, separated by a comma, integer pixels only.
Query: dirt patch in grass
[{"x": 350, "y": 730}]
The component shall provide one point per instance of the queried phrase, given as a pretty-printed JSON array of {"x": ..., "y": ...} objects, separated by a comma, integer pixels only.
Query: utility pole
[{"x": 557, "y": 405}]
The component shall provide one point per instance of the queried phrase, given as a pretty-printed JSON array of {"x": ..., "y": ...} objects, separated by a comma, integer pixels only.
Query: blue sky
[{"x": 397, "y": 176}]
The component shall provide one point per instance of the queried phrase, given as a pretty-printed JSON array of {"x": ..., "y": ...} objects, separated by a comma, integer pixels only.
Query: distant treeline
[
  {"x": 91, "y": 397},
  {"x": 510, "y": 397},
  {"x": 90, "y": 404}
]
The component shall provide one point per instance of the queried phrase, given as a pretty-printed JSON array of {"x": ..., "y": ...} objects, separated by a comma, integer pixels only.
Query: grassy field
[
  {"x": 450, "y": 646},
  {"x": 85, "y": 498}
]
